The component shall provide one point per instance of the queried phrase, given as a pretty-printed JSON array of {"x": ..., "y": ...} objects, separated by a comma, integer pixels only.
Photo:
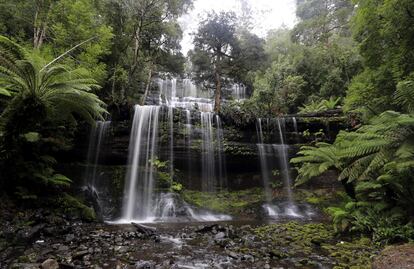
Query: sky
[{"x": 267, "y": 15}]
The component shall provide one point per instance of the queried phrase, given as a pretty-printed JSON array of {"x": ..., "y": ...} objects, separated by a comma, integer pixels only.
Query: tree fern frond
[{"x": 404, "y": 95}]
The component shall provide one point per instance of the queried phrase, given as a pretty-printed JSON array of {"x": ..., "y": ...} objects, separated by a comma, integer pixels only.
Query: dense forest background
[{"x": 66, "y": 62}]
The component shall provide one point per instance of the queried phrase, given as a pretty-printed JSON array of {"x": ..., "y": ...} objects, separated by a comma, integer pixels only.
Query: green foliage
[
  {"x": 43, "y": 99},
  {"x": 72, "y": 22},
  {"x": 378, "y": 160},
  {"x": 300, "y": 74},
  {"x": 235, "y": 202},
  {"x": 241, "y": 113},
  {"x": 146, "y": 41},
  {"x": 307, "y": 239},
  {"x": 74, "y": 207},
  {"x": 321, "y": 106},
  {"x": 316, "y": 160},
  {"x": 385, "y": 36},
  {"x": 320, "y": 20},
  {"x": 165, "y": 179},
  {"x": 384, "y": 224}
]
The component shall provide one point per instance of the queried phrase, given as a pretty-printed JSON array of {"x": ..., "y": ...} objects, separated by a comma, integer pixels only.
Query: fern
[
  {"x": 62, "y": 91},
  {"x": 315, "y": 161},
  {"x": 323, "y": 105},
  {"x": 39, "y": 98},
  {"x": 404, "y": 95}
]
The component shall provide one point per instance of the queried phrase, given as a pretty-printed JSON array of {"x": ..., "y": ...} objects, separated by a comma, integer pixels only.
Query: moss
[
  {"x": 226, "y": 202},
  {"x": 321, "y": 198},
  {"x": 75, "y": 208},
  {"x": 322, "y": 120},
  {"x": 357, "y": 253},
  {"x": 305, "y": 239}
]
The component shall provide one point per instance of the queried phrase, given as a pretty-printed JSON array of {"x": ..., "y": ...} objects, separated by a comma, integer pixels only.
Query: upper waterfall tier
[{"x": 184, "y": 93}]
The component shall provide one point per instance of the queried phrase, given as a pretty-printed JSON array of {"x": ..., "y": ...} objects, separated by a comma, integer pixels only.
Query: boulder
[
  {"x": 50, "y": 264},
  {"x": 401, "y": 256}
]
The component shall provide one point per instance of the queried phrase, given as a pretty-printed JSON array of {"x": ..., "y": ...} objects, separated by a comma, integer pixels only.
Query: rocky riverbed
[{"x": 240, "y": 244}]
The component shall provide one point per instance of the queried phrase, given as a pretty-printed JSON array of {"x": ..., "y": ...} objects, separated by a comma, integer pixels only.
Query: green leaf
[
  {"x": 32, "y": 137},
  {"x": 5, "y": 92}
]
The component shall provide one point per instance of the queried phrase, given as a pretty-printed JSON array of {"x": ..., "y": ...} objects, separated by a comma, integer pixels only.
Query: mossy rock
[
  {"x": 75, "y": 208},
  {"x": 311, "y": 238},
  {"x": 235, "y": 202}
]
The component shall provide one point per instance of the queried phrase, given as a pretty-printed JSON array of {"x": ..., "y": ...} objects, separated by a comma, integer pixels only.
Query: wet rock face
[{"x": 395, "y": 257}]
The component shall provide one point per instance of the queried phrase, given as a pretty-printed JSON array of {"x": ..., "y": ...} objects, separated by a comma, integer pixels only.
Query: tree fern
[
  {"x": 62, "y": 91},
  {"x": 40, "y": 99},
  {"x": 404, "y": 95},
  {"x": 315, "y": 161}
]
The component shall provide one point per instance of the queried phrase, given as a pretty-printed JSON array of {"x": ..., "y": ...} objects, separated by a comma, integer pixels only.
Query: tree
[
  {"x": 147, "y": 36},
  {"x": 42, "y": 98},
  {"x": 72, "y": 22},
  {"x": 385, "y": 35},
  {"x": 54, "y": 26},
  {"x": 248, "y": 57},
  {"x": 215, "y": 43},
  {"x": 321, "y": 19}
]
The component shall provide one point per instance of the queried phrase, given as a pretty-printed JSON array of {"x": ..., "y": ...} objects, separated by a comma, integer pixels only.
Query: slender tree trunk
[
  {"x": 137, "y": 47},
  {"x": 113, "y": 85},
  {"x": 40, "y": 22},
  {"x": 217, "y": 94},
  {"x": 148, "y": 86}
]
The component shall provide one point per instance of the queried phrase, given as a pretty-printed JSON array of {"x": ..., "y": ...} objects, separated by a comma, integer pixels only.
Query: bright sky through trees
[{"x": 267, "y": 14}]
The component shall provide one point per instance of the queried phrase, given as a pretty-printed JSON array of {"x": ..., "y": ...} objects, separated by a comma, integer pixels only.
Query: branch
[{"x": 67, "y": 52}]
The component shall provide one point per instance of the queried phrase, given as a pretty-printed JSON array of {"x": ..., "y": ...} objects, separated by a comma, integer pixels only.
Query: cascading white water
[
  {"x": 190, "y": 88},
  {"x": 98, "y": 135},
  {"x": 207, "y": 151},
  {"x": 238, "y": 92},
  {"x": 141, "y": 202},
  {"x": 259, "y": 130},
  {"x": 265, "y": 171},
  {"x": 281, "y": 152},
  {"x": 138, "y": 193},
  {"x": 189, "y": 132},
  {"x": 222, "y": 173},
  {"x": 295, "y": 125},
  {"x": 171, "y": 140}
]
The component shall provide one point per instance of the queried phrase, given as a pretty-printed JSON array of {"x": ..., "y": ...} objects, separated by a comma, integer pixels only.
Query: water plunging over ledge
[
  {"x": 99, "y": 135},
  {"x": 142, "y": 202},
  {"x": 269, "y": 154}
]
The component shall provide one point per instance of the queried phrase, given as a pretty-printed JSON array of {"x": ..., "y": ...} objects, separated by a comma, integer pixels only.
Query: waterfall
[
  {"x": 141, "y": 201},
  {"x": 259, "y": 131},
  {"x": 92, "y": 177},
  {"x": 269, "y": 152},
  {"x": 265, "y": 171},
  {"x": 295, "y": 129},
  {"x": 239, "y": 92},
  {"x": 139, "y": 187},
  {"x": 98, "y": 135},
  {"x": 213, "y": 173},
  {"x": 220, "y": 152},
  {"x": 189, "y": 132},
  {"x": 171, "y": 140},
  {"x": 207, "y": 151},
  {"x": 295, "y": 125},
  {"x": 190, "y": 88}
]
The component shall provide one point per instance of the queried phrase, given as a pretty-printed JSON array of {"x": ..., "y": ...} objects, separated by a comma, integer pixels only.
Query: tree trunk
[
  {"x": 217, "y": 93},
  {"x": 40, "y": 22},
  {"x": 148, "y": 86},
  {"x": 113, "y": 85},
  {"x": 137, "y": 47}
]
